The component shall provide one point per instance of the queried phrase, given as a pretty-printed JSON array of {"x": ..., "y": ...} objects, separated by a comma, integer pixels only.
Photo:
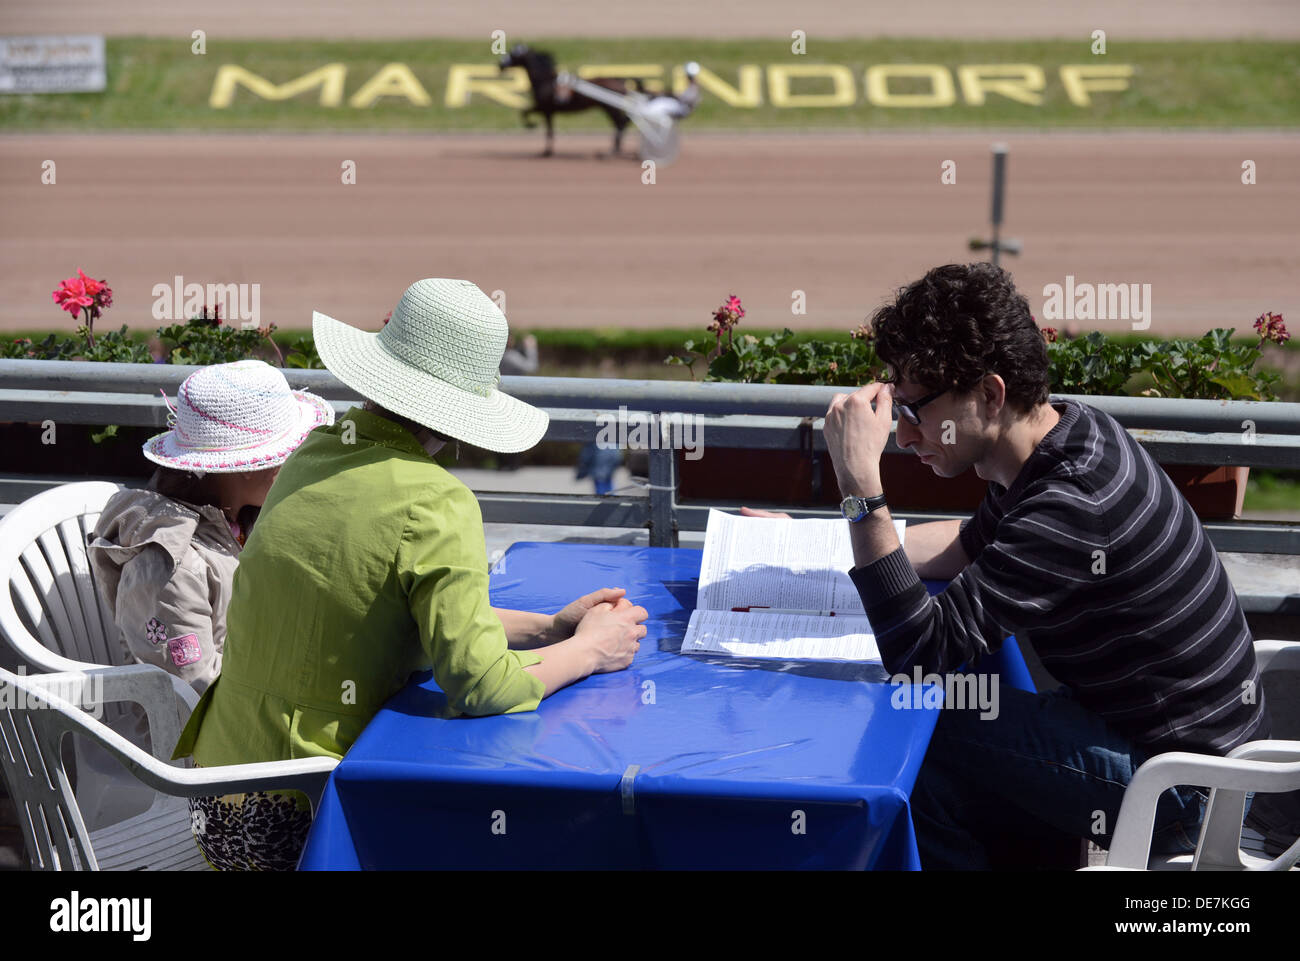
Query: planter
[
  {"x": 787, "y": 477},
  {"x": 790, "y": 477},
  {"x": 1215, "y": 493},
  {"x": 762, "y": 476},
  {"x": 73, "y": 453}
]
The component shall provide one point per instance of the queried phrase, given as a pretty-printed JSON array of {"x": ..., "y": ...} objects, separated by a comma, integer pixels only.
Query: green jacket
[{"x": 367, "y": 563}]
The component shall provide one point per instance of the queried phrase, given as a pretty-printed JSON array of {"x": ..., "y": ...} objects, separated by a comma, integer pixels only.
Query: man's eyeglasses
[{"x": 912, "y": 412}]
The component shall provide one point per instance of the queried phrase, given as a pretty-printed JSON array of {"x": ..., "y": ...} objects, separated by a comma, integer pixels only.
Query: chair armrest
[
  {"x": 306, "y": 774},
  {"x": 301, "y": 774},
  {"x": 1108, "y": 867},
  {"x": 1220, "y": 844},
  {"x": 1131, "y": 843},
  {"x": 55, "y": 665},
  {"x": 144, "y": 684},
  {"x": 1267, "y": 751}
]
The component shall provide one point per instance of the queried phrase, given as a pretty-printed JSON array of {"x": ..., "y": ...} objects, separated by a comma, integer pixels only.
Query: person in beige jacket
[
  {"x": 165, "y": 557},
  {"x": 164, "y": 567}
]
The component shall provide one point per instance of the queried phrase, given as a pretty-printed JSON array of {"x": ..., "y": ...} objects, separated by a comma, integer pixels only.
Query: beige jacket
[{"x": 165, "y": 568}]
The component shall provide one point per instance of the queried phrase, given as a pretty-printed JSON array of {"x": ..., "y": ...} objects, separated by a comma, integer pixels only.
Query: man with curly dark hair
[{"x": 1082, "y": 547}]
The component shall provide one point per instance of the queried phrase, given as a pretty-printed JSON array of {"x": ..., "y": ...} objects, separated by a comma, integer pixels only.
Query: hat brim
[
  {"x": 497, "y": 422},
  {"x": 166, "y": 450}
]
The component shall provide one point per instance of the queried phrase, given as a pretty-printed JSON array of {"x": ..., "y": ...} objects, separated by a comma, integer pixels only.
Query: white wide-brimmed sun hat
[
  {"x": 437, "y": 362},
  {"x": 236, "y": 417}
]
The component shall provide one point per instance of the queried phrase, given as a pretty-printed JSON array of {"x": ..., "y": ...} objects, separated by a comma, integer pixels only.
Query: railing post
[{"x": 663, "y": 488}]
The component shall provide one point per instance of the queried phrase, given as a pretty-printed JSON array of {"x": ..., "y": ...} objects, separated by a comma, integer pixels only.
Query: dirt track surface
[
  {"x": 579, "y": 240},
  {"x": 712, "y": 19}
]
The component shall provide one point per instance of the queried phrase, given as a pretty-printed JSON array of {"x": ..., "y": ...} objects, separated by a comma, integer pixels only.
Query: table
[{"x": 681, "y": 761}]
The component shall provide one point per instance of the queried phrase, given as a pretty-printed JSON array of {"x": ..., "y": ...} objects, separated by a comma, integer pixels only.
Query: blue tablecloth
[{"x": 681, "y": 761}]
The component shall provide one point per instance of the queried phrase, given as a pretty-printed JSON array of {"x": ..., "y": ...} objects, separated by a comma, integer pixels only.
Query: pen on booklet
[{"x": 780, "y": 610}]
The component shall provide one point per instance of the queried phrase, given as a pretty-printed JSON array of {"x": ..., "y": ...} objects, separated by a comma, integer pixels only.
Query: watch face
[{"x": 852, "y": 508}]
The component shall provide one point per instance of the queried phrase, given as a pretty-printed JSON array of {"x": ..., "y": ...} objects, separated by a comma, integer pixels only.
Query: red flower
[
  {"x": 1270, "y": 327},
  {"x": 92, "y": 286},
  {"x": 83, "y": 293},
  {"x": 726, "y": 317},
  {"x": 71, "y": 295},
  {"x": 1049, "y": 334}
]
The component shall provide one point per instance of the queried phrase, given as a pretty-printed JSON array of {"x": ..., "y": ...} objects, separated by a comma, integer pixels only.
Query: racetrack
[
  {"x": 720, "y": 19},
  {"x": 577, "y": 240}
]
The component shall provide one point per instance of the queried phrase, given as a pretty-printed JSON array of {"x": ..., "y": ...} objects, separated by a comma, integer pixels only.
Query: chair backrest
[
  {"x": 1277, "y": 656},
  {"x": 49, "y": 603},
  {"x": 30, "y": 755},
  {"x": 1279, "y": 668},
  {"x": 36, "y": 711}
]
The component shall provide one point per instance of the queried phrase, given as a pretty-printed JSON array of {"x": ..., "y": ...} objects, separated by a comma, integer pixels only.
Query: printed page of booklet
[{"x": 791, "y": 575}]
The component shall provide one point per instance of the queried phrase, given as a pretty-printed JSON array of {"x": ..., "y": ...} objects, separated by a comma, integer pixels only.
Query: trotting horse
[{"x": 549, "y": 98}]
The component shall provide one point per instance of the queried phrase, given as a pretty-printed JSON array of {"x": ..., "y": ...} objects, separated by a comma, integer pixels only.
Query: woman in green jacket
[{"x": 368, "y": 563}]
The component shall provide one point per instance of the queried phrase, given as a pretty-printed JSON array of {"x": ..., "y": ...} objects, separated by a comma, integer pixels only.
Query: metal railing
[{"x": 753, "y": 416}]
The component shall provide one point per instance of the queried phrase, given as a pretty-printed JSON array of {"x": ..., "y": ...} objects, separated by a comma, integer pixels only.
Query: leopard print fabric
[{"x": 251, "y": 832}]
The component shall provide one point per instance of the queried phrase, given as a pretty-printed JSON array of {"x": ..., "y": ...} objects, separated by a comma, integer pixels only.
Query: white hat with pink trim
[{"x": 236, "y": 417}]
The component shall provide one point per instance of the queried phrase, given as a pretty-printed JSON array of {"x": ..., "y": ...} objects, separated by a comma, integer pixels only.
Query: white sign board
[{"x": 69, "y": 64}]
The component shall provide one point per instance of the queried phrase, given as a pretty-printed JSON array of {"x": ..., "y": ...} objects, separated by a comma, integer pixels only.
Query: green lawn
[
  {"x": 159, "y": 84},
  {"x": 1272, "y": 491}
]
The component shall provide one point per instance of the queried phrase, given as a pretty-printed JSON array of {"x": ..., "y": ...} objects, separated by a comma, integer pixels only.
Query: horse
[{"x": 549, "y": 98}]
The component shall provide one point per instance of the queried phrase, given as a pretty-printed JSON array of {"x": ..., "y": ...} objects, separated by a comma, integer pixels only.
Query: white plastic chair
[
  {"x": 53, "y": 616},
  {"x": 35, "y": 714},
  {"x": 1257, "y": 766}
]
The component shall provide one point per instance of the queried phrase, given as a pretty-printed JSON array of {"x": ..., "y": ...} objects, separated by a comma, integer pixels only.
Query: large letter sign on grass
[
  {"x": 329, "y": 78},
  {"x": 825, "y": 85}
]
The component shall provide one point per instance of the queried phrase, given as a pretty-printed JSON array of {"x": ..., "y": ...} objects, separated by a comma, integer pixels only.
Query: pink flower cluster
[
  {"x": 726, "y": 317},
  {"x": 862, "y": 332},
  {"x": 84, "y": 293},
  {"x": 1049, "y": 334},
  {"x": 1269, "y": 326}
]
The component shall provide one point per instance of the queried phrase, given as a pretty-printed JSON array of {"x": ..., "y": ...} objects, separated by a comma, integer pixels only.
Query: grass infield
[{"x": 159, "y": 84}]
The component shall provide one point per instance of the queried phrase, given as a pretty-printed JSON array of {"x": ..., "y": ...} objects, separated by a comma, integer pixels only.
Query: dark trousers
[{"x": 1021, "y": 789}]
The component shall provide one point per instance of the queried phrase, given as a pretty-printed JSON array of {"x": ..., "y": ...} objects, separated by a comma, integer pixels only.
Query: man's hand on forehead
[{"x": 856, "y": 435}]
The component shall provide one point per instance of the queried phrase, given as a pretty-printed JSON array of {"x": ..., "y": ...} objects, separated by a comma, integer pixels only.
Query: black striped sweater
[{"x": 1096, "y": 559}]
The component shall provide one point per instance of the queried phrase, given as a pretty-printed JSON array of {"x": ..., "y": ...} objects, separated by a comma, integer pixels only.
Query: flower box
[{"x": 787, "y": 477}]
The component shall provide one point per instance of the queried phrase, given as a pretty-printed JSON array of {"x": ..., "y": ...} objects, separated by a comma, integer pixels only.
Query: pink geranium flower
[
  {"x": 82, "y": 293},
  {"x": 726, "y": 316},
  {"x": 72, "y": 295}
]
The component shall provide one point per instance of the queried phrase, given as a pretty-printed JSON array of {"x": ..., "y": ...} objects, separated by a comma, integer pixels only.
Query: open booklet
[{"x": 771, "y": 587}]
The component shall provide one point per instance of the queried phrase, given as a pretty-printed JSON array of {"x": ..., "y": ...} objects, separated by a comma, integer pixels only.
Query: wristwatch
[{"x": 856, "y": 508}]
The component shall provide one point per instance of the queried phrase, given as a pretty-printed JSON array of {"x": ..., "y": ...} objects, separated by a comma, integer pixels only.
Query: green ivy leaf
[
  {"x": 726, "y": 366},
  {"x": 1239, "y": 386}
]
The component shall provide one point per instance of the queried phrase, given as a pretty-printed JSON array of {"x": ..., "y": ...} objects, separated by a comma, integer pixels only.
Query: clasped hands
[{"x": 606, "y": 620}]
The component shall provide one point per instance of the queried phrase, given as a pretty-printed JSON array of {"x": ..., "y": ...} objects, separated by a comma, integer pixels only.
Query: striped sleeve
[
  {"x": 1039, "y": 565},
  {"x": 1094, "y": 557}
]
